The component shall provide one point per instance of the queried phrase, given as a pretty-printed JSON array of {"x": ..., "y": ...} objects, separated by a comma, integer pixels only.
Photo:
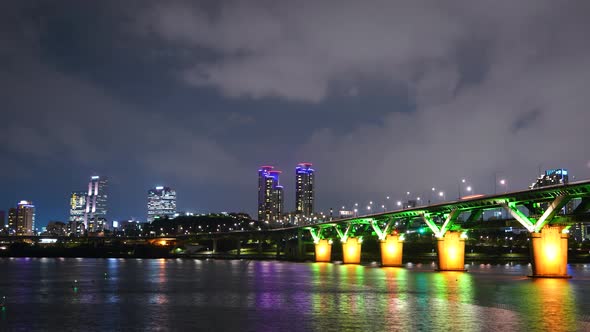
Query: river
[{"x": 85, "y": 294}]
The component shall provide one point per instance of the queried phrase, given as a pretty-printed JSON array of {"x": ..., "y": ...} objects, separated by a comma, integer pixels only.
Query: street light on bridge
[{"x": 504, "y": 184}]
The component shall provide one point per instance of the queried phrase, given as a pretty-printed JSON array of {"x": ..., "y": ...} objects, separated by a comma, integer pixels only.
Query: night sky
[{"x": 383, "y": 97}]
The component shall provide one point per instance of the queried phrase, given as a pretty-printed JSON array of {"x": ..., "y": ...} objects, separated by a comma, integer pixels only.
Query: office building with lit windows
[
  {"x": 161, "y": 203},
  {"x": 95, "y": 215},
  {"x": 77, "y": 206},
  {"x": 21, "y": 220},
  {"x": 304, "y": 190},
  {"x": 270, "y": 195},
  {"x": 551, "y": 177}
]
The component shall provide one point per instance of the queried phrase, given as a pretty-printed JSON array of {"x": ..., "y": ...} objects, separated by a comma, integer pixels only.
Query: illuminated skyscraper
[
  {"x": 78, "y": 206},
  {"x": 95, "y": 215},
  {"x": 161, "y": 203},
  {"x": 270, "y": 195},
  {"x": 12, "y": 218},
  {"x": 25, "y": 218},
  {"x": 304, "y": 194}
]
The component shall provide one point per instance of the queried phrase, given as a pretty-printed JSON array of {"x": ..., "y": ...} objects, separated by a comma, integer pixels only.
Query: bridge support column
[
  {"x": 323, "y": 251},
  {"x": 549, "y": 248},
  {"x": 214, "y": 245},
  {"x": 451, "y": 252},
  {"x": 238, "y": 247},
  {"x": 391, "y": 250},
  {"x": 351, "y": 251},
  {"x": 259, "y": 249},
  {"x": 300, "y": 245}
]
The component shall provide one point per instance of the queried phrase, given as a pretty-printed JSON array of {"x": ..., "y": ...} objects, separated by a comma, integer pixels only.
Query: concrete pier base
[
  {"x": 323, "y": 251},
  {"x": 351, "y": 251},
  {"x": 549, "y": 253},
  {"x": 451, "y": 252},
  {"x": 391, "y": 251}
]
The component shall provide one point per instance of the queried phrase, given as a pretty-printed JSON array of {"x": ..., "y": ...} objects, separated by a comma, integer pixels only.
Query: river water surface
[{"x": 69, "y": 294}]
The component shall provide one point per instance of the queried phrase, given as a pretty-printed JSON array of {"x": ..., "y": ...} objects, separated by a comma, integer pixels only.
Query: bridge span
[{"x": 539, "y": 211}]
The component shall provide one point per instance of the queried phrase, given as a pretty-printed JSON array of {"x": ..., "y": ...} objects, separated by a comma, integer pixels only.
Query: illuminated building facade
[
  {"x": 21, "y": 220},
  {"x": 304, "y": 193},
  {"x": 77, "y": 206},
  {"x": 551, "y": 177},
  {"x": 12, "y": 217},
  {"x": 270, "y": 195},
  {"x": 161, "y": 203},
  {"x": 95, "y": 215}
]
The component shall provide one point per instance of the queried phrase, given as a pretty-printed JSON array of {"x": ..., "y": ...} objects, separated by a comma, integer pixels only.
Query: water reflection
[{"x": 242, "y": 295}]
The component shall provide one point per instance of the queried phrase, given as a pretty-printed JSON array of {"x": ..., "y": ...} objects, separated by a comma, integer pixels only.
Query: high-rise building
[
  {"x": 270, "y": 195},
  {"x": 12, "y": 218},
  {"x": 77, "y": 206},
  {"x": 95, "y": 215},
  {"x": 2, "y": 218},
  {"x": 551, "y": 177},
  {"x": 22, "y": 218},
  {"x": 304, "y": 193},
  {"x": 161, "y": 203}
]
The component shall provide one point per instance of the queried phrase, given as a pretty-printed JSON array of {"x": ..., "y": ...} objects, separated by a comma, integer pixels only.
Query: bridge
[{"x": 537, "y": 210}]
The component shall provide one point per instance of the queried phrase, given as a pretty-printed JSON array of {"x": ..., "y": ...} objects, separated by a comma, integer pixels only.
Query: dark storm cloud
[
  {"x": 449, "y": 89},
  {"x": 472, "y": 116}
]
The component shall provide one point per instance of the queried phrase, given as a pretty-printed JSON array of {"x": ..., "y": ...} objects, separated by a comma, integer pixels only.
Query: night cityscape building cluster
[
  {"x": 88, "y": 210},
  {"x": 271, "y": 196}
]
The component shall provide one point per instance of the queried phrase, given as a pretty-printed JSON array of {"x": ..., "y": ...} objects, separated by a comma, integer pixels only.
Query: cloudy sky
[{"x": 383, "y": 97}]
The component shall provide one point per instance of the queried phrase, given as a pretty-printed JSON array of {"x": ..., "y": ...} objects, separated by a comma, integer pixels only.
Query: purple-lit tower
[
  {"x": 304, "y": 190},
  {"x": 270, "y": 195}
]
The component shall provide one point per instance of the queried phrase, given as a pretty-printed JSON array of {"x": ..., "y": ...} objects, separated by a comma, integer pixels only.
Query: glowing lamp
[
  {"x": 323, "y": 251},
  {"x": 392, "y": 250},
  {"x": 351, "y": 251},
  {"x": 451, "y": 252}
]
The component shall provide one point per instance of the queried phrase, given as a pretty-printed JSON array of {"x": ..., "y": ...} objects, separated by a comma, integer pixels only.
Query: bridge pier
[
  {"x": 214, "y": 245},
  {"x": 278, "y": 249},
  {"x": 351, "y": 250},
  {"x": 451, "y": 252},
  {"x": 323, "y": 251},
  {"x": 392, "y": 250},
  {"x": 238, "y": 247},
  {"x": 259, "y": 247},
  {"x": 549, "y": 253}
]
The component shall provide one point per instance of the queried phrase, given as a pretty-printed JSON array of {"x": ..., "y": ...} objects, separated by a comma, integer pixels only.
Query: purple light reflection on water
[{"x": 258, "y": 296}]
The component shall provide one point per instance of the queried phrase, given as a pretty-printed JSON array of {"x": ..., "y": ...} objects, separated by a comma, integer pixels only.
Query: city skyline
[{"x": 411, "y": 104}]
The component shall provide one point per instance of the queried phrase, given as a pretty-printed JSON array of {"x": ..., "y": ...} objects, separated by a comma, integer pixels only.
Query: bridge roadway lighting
[
  {"x": 504, "y": 184},
  {"x": 442, "y": 195},
  {"x": 355, "y": 212},
  {"x": 399, "y": 203}
]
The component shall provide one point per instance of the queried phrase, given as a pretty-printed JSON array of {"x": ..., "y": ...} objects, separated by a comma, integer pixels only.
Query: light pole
[
  {"x": 383, "y": 207},
  {"x": 442, "y": 195},
  {"x": 356, "y": 212},
  {"x": 504, "y": 184},
  {"x": 399, "y": 204}
]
